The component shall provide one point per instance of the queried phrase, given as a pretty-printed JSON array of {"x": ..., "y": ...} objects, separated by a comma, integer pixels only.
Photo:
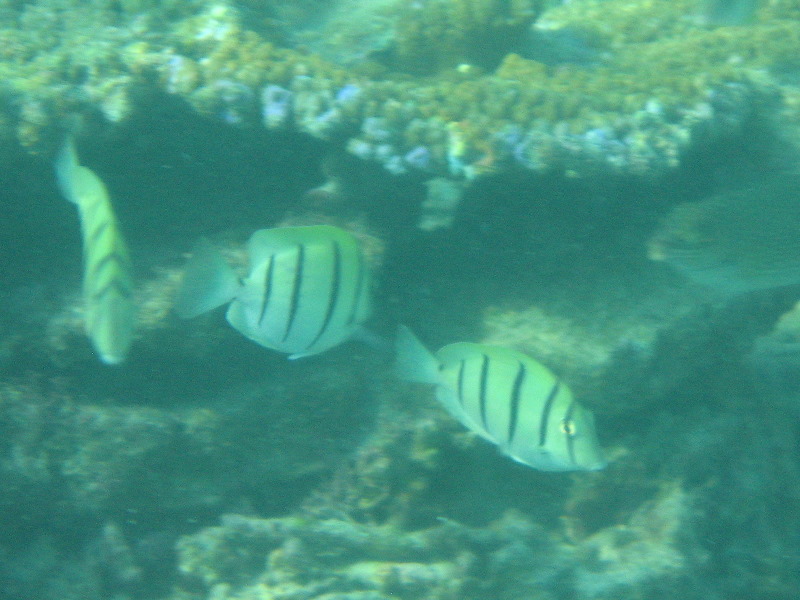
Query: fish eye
[{"x": 568, "y": 427}]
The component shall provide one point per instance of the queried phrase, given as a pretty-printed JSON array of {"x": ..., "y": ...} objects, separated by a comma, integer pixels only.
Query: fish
[
  {"x": 507, "y": 398},
  {"x": 307, "y": 290},
  {"x": 737, "y": 242},
  {"x": 109, "y": 309},
  {"x": 729, "y": 12},
  {"x": 562, "y": 45}
]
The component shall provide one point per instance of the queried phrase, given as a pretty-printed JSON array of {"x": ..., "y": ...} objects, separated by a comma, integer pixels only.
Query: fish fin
[
  {"x": 66, "y": 165},
  {"x": 208, "y": 282},
  {"x": 413, "y": 361},
  {"x": 77, "y": 183}
]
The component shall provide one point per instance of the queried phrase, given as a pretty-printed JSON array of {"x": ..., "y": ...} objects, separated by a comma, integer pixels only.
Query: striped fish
[
  {"x": 507, "y": 398},
  {"x": 308, "y": 288},
  {"x": 110, "y": 314}
]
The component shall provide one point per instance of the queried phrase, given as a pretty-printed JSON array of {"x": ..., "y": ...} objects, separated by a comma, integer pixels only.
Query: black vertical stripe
[
  {"x": 516, "y": 391},
  {"x": 333, "y": 296},
  {"x": 111, "y": 260},
  {"x": 122, "y": 287},
  {"x": 567, "y": 422},
  {"x": 460, "y": 383},
  {"x": 267, "y": 293},
  {"x": 548, "y": 404},
  {"x": 359, "y": 284},
  {"x": 483, "y": 383},
  {"x": 295, "y": 297},
  {"x": 97, "y": 233}
]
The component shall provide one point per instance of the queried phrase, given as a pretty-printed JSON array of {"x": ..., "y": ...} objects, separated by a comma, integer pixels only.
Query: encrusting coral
[{"x": 632, "y": 87}]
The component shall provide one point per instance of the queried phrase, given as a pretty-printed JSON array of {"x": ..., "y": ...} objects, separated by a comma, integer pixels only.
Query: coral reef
[
  {"x": 107, "y": 459},
  {"x": 205, "y": 468},
  {"x": 511, "y": 557},
  {"x": 649, "y": 554},
  {"x": 660, "y": 83},
  {"x": 342, "y": 559},
  {"x": 126, "y": 448}
]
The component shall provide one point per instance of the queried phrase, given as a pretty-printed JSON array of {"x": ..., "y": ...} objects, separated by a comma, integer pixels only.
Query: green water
[{"x": 208, "y": 467}]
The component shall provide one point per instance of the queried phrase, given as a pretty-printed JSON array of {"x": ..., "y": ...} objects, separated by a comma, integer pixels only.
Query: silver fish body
[
  {"x": 110, "y": 313},
  {"x": 729, "y": 12},
  {"x": 736, "y": 242},
  {"x": 508, "y": 399},
  {"x": 307, "y": 290}
]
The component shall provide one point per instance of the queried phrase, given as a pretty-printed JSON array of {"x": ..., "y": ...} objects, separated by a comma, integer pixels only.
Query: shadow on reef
[
  {"x": 519, "y": 237},
  {"x": 175, "y": 175}
]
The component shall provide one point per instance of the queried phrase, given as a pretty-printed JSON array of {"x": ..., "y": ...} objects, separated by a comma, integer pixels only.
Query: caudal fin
[
  {"x": 413, "y": 361},
  {"x": 66, "y": 166},
  {"x": 78, "y": 184},
  {"x": 208, "y": 282}
]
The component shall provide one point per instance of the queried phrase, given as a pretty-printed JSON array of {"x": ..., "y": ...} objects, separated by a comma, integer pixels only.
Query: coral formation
[
  {"x": 342, "y": 559},
  {"x": 327, "y": 479},
  {"x": 661, "y": 81},
  {"x": 512, "y": 557},
  {"x": 646, "y": 555}
]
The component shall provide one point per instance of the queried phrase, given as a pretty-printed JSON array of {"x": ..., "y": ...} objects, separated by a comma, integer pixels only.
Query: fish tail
[
  {"x": 208, "y": 282},
  {"x": 80, "y": 185},
  {"x": 66, "y": 168},
  {"x": 413, "y": 361}
]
